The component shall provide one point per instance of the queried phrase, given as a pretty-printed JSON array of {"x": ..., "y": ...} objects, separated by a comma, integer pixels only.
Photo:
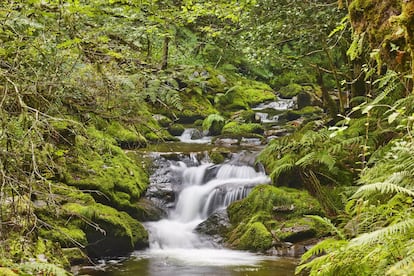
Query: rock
[
  {"x": 279, "y": 132},
  {"x": 226, "y": 142},
  {"x": 222, "y": 79},
  {"x": 269, "y": 215},
  {"x": 149, "y": 211},
  {"x": 176, "y": 129},
  {"x": 109, "y": 232},
  {"x": 304, "y": 99},
  {"x": 75, "y": 256},
  {"x": 217, "y": 225}
]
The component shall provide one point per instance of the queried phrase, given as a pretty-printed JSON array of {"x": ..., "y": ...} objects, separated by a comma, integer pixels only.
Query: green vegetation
[
  {"x": 269, "y": 215},
  {"x": 81, "y": 82}
]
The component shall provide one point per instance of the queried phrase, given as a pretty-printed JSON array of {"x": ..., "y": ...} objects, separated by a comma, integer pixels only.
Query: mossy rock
[
  {"x": 256, "y": 238},
  {"x": 245, "y": 95},
  {"x": 251, "y": 233},
  {"x": 258, "y": 218},
  {"x": 176, "y": 129},
  {"x": 308, "y": 112},
  {"x": 65, "y": 236},
  {"x": 162, "y": 120},
  {"x": 216, "y": 157},
  {"x": 195, "y": 107},
  {"x": 109, "y": 232},
  {"x": 146, "y": 210},
  {"x": 75, "y": 256},
  {"x": 299, "y": 229},
  {"x": 213, "y": 124},
  {"x": 291, "y": 90},
  {"x": 270, "y": 199},
  {"x": 125, "y": 137},
  {"x": 240, "y": 129},
  {"x": 97, "y": 163}
]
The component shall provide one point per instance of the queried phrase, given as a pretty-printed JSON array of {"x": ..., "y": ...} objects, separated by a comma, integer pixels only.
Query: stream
[{"x": 190, "y": 188}]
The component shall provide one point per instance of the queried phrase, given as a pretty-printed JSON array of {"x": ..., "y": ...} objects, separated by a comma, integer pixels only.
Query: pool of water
[{"x": 193, "y": 262}]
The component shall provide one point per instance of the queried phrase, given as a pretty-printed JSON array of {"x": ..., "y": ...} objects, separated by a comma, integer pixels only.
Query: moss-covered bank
[{"x": 271, "y": 215}]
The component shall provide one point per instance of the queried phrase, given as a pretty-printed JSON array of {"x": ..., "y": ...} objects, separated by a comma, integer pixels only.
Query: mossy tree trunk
[{"x": 407, "y": 20}]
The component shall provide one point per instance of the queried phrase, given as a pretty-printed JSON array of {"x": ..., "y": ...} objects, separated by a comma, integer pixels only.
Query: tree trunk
[
  {"x": 164, "y": 63},
  {"x": 328, "y": 103}
]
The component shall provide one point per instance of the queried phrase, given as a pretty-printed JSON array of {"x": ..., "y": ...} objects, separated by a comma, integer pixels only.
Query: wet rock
[
  {"x": 226, "y": 142},
  {"x": 148, "y": 210},
  {"x": 217, "y": 225}
]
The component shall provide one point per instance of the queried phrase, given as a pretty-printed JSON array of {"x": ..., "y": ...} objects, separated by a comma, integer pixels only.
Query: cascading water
[{"x": 199, "y": 197}]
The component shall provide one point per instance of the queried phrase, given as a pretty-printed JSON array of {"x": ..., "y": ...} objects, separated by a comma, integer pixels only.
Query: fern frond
[
  {"x": 405, "y": 262},
  {"x": 327, "y": 222},
  {"x": 381, "y": 234},
  {"x": 382, "y": 187},
  {"x": 283, "y": 167}
]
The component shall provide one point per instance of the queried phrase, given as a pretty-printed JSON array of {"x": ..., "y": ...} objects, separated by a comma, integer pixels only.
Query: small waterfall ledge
[{"x": 201, "y": 190}]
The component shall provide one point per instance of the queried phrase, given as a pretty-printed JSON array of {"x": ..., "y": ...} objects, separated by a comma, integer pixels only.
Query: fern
[
  {"x": 384, "y": 233},
  {"x": 382, "y": 187},
  {"x": 327, "y": 222}
]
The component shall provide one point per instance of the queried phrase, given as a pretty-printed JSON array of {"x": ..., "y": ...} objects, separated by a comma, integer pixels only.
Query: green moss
[
  {"x": 176, "y": 129},
  {"x": 213, "y": 124},
  {"x": 75, "y": 256},
  {"x": 248, "y": 116},
  {"x": 256, "y": 238},
  {"x": 235, "y": 128},
  {"x": 125, "y": 137},
  {"x": 251, "y": 234},
  {"x": 216, "y": 157},
  {"x": 308, "y": 111},
  {"x": 290, "y": 90},
  {"x": 116, "y": 231},
  {"x": 268, "y": 208},
  {"x": 245, "y": 95},
  {"x": 98, "y": 164},
  {"x": 66, "y": 237},
  {"x": 300, "y": 229}
]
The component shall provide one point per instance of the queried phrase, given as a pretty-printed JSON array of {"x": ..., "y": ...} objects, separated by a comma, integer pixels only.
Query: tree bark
[{"x": 164, "y": 63}]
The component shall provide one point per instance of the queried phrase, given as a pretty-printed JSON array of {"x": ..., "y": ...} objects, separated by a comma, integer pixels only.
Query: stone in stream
[{"x": 217, "y": 225}]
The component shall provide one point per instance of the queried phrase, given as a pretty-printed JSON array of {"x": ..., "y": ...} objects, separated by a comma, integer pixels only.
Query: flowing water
[
  {"x": 177, "y": 249},
  {"x": 192, "y": 190}
]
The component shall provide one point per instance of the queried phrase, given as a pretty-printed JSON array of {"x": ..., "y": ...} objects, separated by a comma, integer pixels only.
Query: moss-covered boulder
[
  {"x": 244, "y": 95},
  {"x": 75, "y": 256},
  {"x": 306, "y": 112},
  {"x": 97, "y": 164},
  {"x": 241, "y": 129},
  {"x": 213, "y": 124},
  {"x": 176, "y": 129},
  {"x": 269, "y": 215},
  {"x": 291, "y": 90},
  {"x": 109, "y": 232},
  {"x": 251, "y": 234}
]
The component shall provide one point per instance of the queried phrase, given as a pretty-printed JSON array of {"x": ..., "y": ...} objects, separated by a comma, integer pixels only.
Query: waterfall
[{"x": 198, "y": 198}]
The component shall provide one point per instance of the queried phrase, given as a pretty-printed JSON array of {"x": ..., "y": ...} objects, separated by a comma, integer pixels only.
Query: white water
[
  {"x": 188, "y": 134},
  {"x": 280, "y": 104},
  {"x": 175, "y": 237},
  {"x": 264, "y": 118}
]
